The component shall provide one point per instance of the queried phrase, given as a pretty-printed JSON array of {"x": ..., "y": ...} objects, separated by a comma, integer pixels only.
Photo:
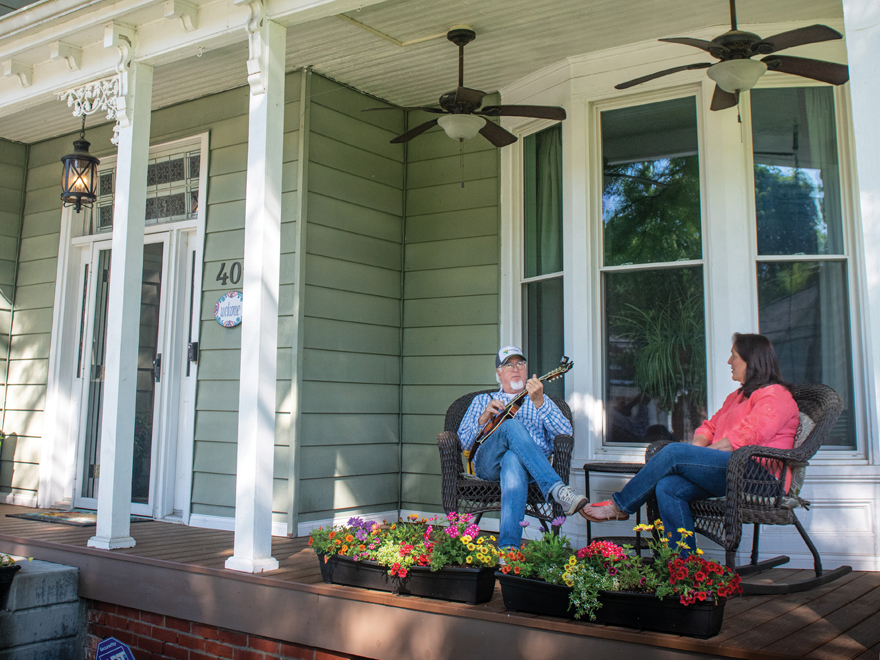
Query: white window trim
[
  {"x": 61, "y": 424},
  {"x": 863, "y": 386}
]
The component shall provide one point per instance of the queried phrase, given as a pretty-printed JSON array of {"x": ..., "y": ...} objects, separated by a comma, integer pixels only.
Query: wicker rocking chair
[
  {"x": 752, "y": 498},
  {"x": 465, "y": 493}
]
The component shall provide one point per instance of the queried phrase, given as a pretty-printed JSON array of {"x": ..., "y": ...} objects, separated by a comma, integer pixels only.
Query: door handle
[{"x": 157, "y": 367}]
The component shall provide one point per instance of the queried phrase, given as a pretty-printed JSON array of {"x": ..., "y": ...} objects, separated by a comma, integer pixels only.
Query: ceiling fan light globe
[
  {"x": 461, "y": 127},
  {"x": 737, "y": 75}
]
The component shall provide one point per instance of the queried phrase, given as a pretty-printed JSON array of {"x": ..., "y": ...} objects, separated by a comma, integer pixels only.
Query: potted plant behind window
[
  {"x": 417, "y": 557},
  {"x": 668, "y": 352},
  {"x": 608, "y": 584}
]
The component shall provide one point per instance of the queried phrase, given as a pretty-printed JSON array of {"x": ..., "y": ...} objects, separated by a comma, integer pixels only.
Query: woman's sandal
[{"x": 608, "y": 508}]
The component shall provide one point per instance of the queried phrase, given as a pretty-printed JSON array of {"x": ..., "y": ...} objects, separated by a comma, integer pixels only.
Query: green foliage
[
  {"x": 668, "y": 347},
  {"x": 652, "y": 211},
  {"x": 789, "y": 219},
  {"x": 400, "y": 546}
]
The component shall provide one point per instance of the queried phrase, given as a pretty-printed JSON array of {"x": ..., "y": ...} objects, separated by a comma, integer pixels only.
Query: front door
[{"x": 90, "y": 368}]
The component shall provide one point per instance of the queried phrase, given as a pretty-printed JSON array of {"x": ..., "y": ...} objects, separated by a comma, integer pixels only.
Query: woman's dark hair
[{"x": 762, "y": 367}]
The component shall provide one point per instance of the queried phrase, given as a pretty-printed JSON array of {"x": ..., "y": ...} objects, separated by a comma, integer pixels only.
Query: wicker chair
[
  {"x": 751, "y": 498},
  {"x": 467, "y": 494}
]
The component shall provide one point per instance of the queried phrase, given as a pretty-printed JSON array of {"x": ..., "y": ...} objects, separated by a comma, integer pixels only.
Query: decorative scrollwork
[{"x": 97, "y": 96}]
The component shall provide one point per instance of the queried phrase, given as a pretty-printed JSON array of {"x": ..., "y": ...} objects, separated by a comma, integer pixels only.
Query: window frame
[
  {"x": 635, "y": 450},
  {"x": 862, "y": 454}
]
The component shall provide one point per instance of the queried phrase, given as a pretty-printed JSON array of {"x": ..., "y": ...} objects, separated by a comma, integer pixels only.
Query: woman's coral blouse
[{"x": 768, "y": 418}]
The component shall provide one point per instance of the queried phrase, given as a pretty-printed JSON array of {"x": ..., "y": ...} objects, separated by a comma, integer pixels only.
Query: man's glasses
[{"x": 510, "y": 366}]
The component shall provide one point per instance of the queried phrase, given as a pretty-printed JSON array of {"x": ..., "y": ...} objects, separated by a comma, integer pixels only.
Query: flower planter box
[
  {"x": 465, "y": 585},
  {"x": 6, "y": 575},
  {"x": 631, "y": 610}
]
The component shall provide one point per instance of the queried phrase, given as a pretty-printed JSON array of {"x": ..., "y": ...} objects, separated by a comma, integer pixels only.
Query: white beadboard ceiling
[{"x": 514, "y": 38}]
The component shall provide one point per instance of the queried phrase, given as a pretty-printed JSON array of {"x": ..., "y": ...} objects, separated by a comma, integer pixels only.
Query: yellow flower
[
  {"x": 572, "y": 560},
  {"x": 491, "y": 538},
  {"x": 471, "y": 547},
  {"x": 466, "y": 539},
  {"x": 469, "y": 560},
  {"x": 682, "y": 530},
  {"x": 480, "y": 541},
  {"x": 698, "y": 551},
  {"x": 683, "y": 545},
  {"x": 664, "y": 540},
  {"x": 569, "y": 583}
]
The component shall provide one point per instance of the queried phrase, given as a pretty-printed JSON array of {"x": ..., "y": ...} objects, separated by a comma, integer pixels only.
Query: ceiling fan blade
[
  {"x": 415, "y": 107},
  {"x": 666, "y": 72},
  {"x": 414, "y": 132},
  {"x": 805, "y": 35},
  {"x": 702, "y": 44},
  {"x": 537, "y": 111},
  {"x": 722, "y": 100},
  {"x": 496, "y": 135},
  {"x": 827, "y": 72}
]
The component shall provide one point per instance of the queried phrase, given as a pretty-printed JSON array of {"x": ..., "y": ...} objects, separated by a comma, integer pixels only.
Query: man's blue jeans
[
  {"x": 678, "y": 473},
  {"x": 511, "y": 456}
]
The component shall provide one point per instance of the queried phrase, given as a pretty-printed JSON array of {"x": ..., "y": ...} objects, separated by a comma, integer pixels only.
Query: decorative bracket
[
  {"x": 95, "y": 96},
  {"x": 118, "y": 35},
  {"x": 258, "y": 50},
  {"x": 15, "y": 68},
  {"x": 186, "y": 12},
  {"x": 61, "y": 51}
]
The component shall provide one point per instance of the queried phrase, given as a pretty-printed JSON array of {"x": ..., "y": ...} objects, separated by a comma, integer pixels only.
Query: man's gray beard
[{"x": 517, "y": 385}]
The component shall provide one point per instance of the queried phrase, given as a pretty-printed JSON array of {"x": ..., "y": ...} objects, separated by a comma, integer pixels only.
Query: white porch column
[
  {"x": 124, "y": 306},
  {"x": 259, "y": 328},
  {"x": 862, "y": 23}
]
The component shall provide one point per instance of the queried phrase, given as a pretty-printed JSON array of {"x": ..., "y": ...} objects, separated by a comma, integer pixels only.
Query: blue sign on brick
[{"x": 112, "y": 649}]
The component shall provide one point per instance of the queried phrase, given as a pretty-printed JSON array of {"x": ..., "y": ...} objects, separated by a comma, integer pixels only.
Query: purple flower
[
  {"x": 558, "y": 522},
  {"x": 612, "y": 571},
  {"x": 643, "y": 581},
  {"x": 524, "y": 523},
  {"x": 355, "y": 522}
]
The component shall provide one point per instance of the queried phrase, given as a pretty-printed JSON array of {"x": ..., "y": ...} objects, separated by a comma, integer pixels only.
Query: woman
[{"x": 761, "y": 412}]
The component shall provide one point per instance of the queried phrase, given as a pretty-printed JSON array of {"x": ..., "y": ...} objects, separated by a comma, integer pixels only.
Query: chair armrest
[
  {"x": 450, "y": 468},
  {"x": 654, "y": 447},
  {"x": 563, "y": 445}
]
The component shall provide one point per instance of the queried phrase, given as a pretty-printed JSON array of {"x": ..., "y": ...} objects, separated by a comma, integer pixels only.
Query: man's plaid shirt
[{"x": 543, "y": 423}]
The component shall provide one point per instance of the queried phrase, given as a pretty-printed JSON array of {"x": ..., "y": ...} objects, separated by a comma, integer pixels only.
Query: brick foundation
[{"x": 158, "y": 637}]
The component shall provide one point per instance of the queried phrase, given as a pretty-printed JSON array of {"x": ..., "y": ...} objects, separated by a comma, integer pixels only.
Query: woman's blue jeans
[
  {"x": 677, "y": 474},
  {"x": 511, "y": 456}
]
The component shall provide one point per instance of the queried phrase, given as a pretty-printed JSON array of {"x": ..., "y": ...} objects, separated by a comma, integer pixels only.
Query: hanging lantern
[{"x": 79, "y": 181}]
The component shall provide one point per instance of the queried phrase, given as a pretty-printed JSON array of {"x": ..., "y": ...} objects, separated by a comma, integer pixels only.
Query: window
[
  {"x": 542, "y": 284},
  {"x": 652, "y": 271},
  {"x": 802, "y": 266},
  {"x": 172, "y": 191}
]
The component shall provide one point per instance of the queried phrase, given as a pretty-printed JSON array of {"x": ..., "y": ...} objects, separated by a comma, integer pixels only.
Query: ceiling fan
[
  {"x": 737, "y": 72},
  {"x": 462, "y": 117}
]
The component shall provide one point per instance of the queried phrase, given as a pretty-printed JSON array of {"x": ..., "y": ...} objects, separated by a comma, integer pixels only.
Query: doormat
[{"x": 77, "y": 518}]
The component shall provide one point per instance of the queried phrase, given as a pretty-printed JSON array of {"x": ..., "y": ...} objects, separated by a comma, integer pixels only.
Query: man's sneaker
[{"x": 571, "y": 501}]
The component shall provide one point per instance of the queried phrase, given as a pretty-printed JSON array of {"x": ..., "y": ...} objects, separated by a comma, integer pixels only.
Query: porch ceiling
[{"x": 514, "y": 38}]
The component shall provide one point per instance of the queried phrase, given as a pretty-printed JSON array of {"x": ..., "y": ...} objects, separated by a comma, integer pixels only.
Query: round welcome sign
[{"x": 227, "y": 310}]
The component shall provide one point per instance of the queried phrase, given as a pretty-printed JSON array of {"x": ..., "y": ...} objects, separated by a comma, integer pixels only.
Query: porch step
[{"x": 44, "y": 617}]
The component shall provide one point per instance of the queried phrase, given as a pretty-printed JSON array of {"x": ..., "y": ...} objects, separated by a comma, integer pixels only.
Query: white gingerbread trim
[
  {"x": 59, "y": 50},
  {"x": 100, "y": 95},
  {"x": 185, "y": 12},
  {"x": 258, "y": 52}
]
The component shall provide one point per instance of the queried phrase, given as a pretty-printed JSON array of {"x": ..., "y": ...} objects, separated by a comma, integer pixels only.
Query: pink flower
[
  {"x": 473, "y": 531},
  {"x": 452, "y": 532}
]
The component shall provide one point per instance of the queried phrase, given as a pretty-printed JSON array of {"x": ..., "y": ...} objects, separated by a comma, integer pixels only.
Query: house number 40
[{"x": 233, "y": 275}]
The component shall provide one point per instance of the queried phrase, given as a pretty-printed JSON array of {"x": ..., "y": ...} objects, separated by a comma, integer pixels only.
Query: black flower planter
[
  {"x": 630, "y": 610},
  {"x": 464, "y": 585},
  {"x": 6, "y": 575}
]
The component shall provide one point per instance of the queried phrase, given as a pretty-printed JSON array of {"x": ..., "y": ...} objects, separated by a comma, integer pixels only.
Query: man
[{"x": 517, "y": 452}]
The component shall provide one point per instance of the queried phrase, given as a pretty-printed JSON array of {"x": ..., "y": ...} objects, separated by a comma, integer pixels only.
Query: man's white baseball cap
[{"x": 506, "y": 353}]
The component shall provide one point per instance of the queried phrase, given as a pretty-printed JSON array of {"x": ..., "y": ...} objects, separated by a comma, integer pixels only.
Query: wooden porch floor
[{"x": 839, "y": 621}]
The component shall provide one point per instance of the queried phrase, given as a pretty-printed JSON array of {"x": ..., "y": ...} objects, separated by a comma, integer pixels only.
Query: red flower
[
  {"x": 516, "y": 570},
  {"x": 402, "y": 573},
  {"x": 504, "y": 569},
  {"x": 311, "y": 540}
]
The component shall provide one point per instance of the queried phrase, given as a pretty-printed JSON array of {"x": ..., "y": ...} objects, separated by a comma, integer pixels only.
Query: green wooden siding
[
  {"x": 216, "y": 430},
  {"x": 451, "y": 284},
  {"x": 20, "y": 452},
  {"x": 349, "y": 456}
]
